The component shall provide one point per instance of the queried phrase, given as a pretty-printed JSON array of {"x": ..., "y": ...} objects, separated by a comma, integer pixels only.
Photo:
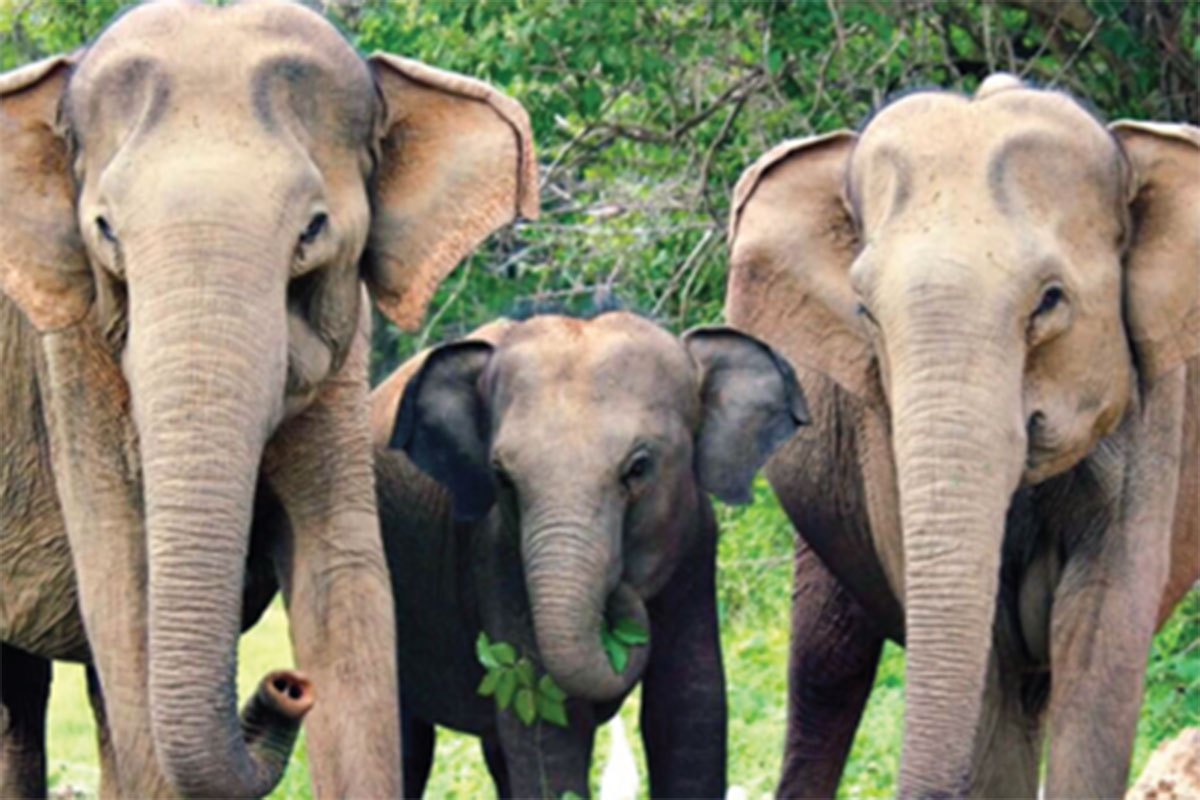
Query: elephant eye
[
  {"x": 106, "y": 230},
  {"x": 315, "y": 226},
  {"x": 637, "y": 468},
  {"x": 861, "y": 310},
  {"x": 1050, "y": 300},
  {"x": 503, "y": 479}
]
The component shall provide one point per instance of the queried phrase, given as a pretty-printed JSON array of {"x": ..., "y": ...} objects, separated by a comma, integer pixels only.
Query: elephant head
[
  {"x": 596, "y": 441},
  {"x": 998, "y": 277},
  {"x": 208, "y": 186}
]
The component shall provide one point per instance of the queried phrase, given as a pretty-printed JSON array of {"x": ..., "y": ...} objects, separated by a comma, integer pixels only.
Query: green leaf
[
  {"x": 483, "y": 651},
  {"x": 547, "y": 687},
  {"x": 630, "y": 632},
  {"x": 525, "y": 673},
  {"x": 505, "y": 688},
  {"x": 524, "y": 706},
  {"x": 569, "y": 795},
  {"x": 503, "y": 653},
  {"x": 552, "y": 711},
  {"x": 487, "y": 686},
  {"x": 618, "y": 652}
]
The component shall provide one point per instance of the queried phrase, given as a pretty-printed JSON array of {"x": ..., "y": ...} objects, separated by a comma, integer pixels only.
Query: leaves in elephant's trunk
[{"x": 618, "y": 638}]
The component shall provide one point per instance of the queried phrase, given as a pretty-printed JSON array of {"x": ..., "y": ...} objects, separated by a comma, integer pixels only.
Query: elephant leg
[
  {"x": 684, "y": 719},
  {"x": 93, "y": 453},
  {"x": 545, "y": 760},
  {"x": 1106, "y": 603},
  {"x": 109, "y": 786},
  {"x": 24, "y": 693},
  {"x": 493, "y": 756},
  {"x": 330, "y": 561},
  {"x": 834, "y": 652},
  {"x": 1008, "y": 746},
  {"x": 417, "y": 738}
]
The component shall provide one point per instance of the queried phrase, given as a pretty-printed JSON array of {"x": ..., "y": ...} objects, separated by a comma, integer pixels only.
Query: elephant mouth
[
  {"x": 1043, "y": 462},
  {"x": 1050, "y": 450}
]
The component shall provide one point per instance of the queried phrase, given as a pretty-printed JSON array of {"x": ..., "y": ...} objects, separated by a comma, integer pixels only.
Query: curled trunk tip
[{"x": 271, "y": 719}]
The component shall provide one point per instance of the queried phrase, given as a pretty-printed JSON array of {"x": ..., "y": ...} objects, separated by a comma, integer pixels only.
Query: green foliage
[
  {"x": 644, "y": 114},
  {"x": 511, "y": 681},
  {"x": 618, "y": 638}
]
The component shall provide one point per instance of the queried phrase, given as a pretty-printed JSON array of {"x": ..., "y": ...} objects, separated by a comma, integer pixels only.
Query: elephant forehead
[
  {"x": 1012, "y": 153},
  {"x": 259, "y": 61},
  {"x": 615, "y": 358}
]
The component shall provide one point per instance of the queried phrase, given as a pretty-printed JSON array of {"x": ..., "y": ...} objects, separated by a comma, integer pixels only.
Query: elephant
[
  {"x": 994, "y": 304},
  {"x": 195, "y": 208},
  {"x": 542, "y": 479}
]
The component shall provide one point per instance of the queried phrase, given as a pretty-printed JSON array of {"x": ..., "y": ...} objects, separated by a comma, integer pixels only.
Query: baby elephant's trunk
[{"x": 271, "y": 717}]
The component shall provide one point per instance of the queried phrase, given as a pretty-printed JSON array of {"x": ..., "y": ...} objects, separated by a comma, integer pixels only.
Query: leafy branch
[{"x": 512, "y": 682}]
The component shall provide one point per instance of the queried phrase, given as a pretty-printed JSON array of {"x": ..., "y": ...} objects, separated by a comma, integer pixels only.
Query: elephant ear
[
  {"x": 750, "y": 405},
  {"x": 456, "y": 162},
  {"x": 1162, "y": 267},
  {"x": 43, "y": 265},
  {"x": 442, "y": 425},
  {"x": 792, "y": 240}
]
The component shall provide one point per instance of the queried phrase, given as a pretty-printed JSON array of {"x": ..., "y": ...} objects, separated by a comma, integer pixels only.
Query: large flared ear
[
  {"x": 456, "y": 162},
  {"x": 750, "y": 405},
  {"x": 442, "y": 425},
  {"x": 43, "y": 264},
  {"x": 1162, "y": 267},
  {"x": 792, "y": 240}
]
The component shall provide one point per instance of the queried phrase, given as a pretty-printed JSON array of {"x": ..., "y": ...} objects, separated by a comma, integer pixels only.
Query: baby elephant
[{"x": 573, "y": 458}]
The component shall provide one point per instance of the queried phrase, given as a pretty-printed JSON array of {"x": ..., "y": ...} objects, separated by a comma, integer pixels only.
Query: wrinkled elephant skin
[
  {"x": 995, "y": 304},
  {"x": 572, "y": 460},
  {"x": 191, "y": 205}
]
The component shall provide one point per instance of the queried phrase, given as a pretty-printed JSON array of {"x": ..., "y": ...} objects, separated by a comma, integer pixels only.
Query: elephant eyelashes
[
  {"x": 315, "y": 226},
  {"x": 106, "y": 231}
]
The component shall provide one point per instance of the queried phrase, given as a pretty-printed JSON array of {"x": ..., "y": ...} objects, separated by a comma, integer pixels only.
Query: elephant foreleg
[
  {"x": 493, "y": 755},
  {"x": 834, "y": 652},
  {"x": 109, "y": 786},
  {"x": 1107, "y": 600},
  {"x": 335, "y": 582},
  {"x": 24, "y": 693},
  {"x": 91, "y": 448},
  {"x": 684, "y": 718},
  {"x": 418, "y": 739},
  {"x": 545, "y": 760},
  {"x": 1008, "y": 746}
]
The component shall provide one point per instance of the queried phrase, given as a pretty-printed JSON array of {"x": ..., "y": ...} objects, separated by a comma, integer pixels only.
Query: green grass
[{"x": 754, "y": 583}]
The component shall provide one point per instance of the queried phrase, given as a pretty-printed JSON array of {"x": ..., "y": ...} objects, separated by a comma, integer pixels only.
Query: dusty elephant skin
[
  {"x": 188, "y": 205},
  {"x": 571, "y": 461},
  {"x": 995, "y": 305}
]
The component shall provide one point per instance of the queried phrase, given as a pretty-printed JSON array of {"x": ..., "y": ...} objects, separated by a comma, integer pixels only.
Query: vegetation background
[{"x": 644, "y": 114}]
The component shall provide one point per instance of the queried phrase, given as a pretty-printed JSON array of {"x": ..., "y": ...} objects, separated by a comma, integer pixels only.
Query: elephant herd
[{"x": 967, "y": 349}]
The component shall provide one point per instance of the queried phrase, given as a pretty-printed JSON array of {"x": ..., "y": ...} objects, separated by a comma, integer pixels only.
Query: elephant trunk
[
  {"x": 959, "y": 449},
  {"x": 572, "y": 571},
  {"x": 206, "y": 362}
]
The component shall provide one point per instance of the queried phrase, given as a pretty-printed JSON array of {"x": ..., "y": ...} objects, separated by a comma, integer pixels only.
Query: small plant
[
  {"x": 618, "y": 638},
  {"x": 511, "y": 681}
]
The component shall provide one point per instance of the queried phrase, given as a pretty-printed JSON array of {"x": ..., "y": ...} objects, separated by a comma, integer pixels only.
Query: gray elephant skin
[
  {"x": 994, "y": 304},
  {"x": 191, "y": 207},
  {"x": 572, "y": 460}
]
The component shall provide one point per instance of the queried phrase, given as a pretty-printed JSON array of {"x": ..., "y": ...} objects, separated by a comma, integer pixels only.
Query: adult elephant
[
  {"x": 187, "y": 207},
  {"x": 996, "y": 304}
]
